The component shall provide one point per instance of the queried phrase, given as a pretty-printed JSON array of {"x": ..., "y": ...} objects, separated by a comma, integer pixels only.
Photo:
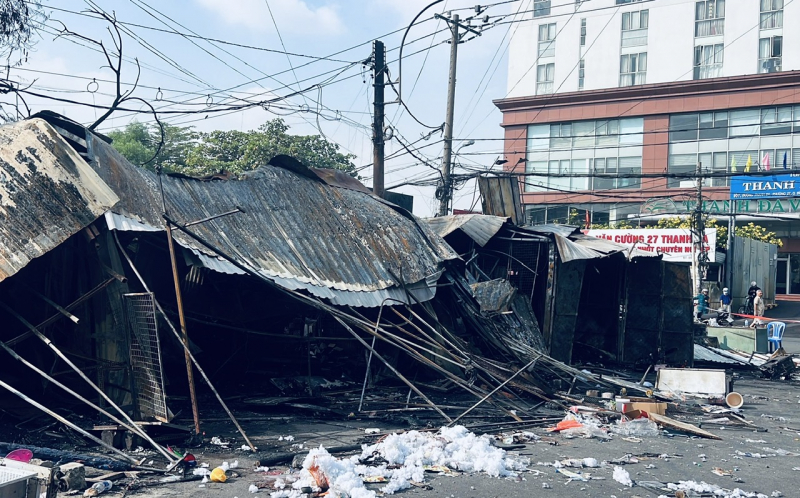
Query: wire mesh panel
[{"x": 145, "y": 354}]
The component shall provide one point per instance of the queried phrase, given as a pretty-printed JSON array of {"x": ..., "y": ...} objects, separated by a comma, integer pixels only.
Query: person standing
[
  {"x": 702, "y": 303},
  {"x": 758, "y": 309},
  {"x": 751, "y": 295},
  {"x": 725, "y": 301}
]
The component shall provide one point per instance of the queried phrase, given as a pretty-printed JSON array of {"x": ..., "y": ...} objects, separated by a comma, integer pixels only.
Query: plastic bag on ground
[{"x": 640, "y": 427}]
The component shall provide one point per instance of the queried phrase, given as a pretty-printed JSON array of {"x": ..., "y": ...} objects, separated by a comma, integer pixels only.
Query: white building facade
[{"x": 572, "y": 45}]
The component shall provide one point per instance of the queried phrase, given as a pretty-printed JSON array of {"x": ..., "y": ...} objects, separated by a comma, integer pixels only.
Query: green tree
[
  {"x": 139, "y": 142},
  {"x": 198, "y": 154}
]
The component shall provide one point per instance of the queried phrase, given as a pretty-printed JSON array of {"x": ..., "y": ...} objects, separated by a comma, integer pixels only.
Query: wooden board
[{"x": 671, "y": 423}]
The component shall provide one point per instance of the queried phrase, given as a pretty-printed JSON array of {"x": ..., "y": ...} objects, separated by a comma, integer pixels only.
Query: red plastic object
[
  {"x": 21, "y": 455},
  {"x": 566, "y": 424}
]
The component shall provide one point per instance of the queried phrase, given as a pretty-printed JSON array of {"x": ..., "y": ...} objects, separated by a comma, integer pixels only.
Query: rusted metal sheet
[
  {"x": 337, "y": 242},
  {"x": 478, "y": 227},
  {"x": 501, "y": 197},
  {"x": 47, "y": 193},
  {"x": 494, "y": 295}
]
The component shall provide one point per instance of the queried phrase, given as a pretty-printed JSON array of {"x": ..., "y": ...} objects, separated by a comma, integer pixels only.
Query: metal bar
[
  {"x": 184, "y": 334},
  {"x": 394, "y": 370},
  {"x": 214, "y": 217},
  {"x": 185, "y": 347},
  {"x": 57, "y": 316},
  {"x": 369, "y": 359},
  {"x": 77, "y": 370},
  {"x": 67, "y": 422},
  {"x": 55, "y": 305},
  {"x": 134, "y": 428}
]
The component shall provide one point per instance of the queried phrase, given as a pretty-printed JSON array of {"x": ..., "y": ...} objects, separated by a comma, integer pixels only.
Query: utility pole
[
  {"x": 729, "y": 255},
  {"x": 378, "y": 71},
  {"x": 446, "y": 193},
  {"x": 699, "y": 258}
]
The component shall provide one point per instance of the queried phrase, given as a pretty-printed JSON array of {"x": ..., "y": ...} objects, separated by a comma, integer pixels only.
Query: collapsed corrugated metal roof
[
  {"x": 571, "y": 243},
  {"x": 298, "y": 228},
  {"x": 480, "y": 228},
  {"x": 47, "y": 193}
]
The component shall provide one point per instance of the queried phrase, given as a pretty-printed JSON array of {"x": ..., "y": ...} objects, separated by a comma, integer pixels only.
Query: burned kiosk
[{"x": 593, "y": 299}]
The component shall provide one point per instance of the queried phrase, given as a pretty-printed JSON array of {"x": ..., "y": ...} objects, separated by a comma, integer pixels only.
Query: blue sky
[{"x": 196, "y": 74}]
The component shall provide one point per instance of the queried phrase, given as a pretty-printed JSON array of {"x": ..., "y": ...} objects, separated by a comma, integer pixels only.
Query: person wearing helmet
[
  {"x": 702, "y": 303},
  {"x": 751, "y": 295},
  {"x": 725, "y": 301}
]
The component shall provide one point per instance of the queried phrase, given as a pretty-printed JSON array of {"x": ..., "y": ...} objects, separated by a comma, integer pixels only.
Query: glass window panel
[
  {"x": 536, "y": 183},
  {"x": 557, "y": 214},
  {"x": 782, "y": 155},
  {"x": 720, "y": 166},
  {"x": 797, "y": 119},
  {"x": 541, "y": 8},
  {"x": 535, "y": 215},
  {"x": 538, "y": 137},
  {"x": 680, "y": 163},
  {"x": 631, "y": 131},
  {"x": 580, "y": 166},
  {"x": 744, "y": 123},
  {"x": 630, "y": 166},
  {"x": 584, "y": 134},
  {"x": 740, "y": 158},
  {"x": 683, "y": 127}
]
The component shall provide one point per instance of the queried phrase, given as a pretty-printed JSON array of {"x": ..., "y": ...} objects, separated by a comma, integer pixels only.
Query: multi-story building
[{"x": 658, "y": 86}]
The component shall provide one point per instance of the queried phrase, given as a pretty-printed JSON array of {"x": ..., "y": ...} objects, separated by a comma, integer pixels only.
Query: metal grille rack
[{"x": 145, "y": 356}]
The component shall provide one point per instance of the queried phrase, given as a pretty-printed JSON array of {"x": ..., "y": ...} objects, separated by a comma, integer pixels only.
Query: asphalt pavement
[{"x": 788, "y": 310}]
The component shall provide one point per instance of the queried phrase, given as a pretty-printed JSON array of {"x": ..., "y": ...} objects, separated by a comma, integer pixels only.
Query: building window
[
  {"x": 708, "y": 61},
  {"x": 713, "y": 125},
  {"x": 547, "y": 40},
  {"x": 623, "y": 2},
  {"x": 771, "y": 14},
  {"x": 709, "y": 18},
  {"x": 634, "y": 28},
  {"x": 581, "y": 74},
  {"x": 768, "y": 133},
  {"x": 571, "y": 147},
  {"x": 770, "y": 52},
  {"x": 683, "y": 127},
  {"x": 776, "y": 120},
  {"x": 545, "y": 74},
  {"x": 561, "y": 136},
  {"x": 541, "y": 8},
  {"x": 633, "y": 69},
  {"x": 745, "y": 123},
  {"x": 583, "y": 32}
]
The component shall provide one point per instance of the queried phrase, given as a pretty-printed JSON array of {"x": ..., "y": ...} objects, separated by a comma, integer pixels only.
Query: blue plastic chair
[{"x": 775, "y": 335}]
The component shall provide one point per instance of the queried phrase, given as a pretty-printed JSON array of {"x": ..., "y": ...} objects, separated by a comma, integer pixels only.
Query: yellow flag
[
  {"x": 733, "y": 164},
  {"x": 748, "y": 164}
]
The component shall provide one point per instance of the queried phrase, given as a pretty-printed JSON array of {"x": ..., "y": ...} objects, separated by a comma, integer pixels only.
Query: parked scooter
[{"x": 717, "y": 318}]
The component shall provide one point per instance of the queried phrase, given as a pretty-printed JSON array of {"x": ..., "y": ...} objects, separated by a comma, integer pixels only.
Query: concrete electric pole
[
  {"x": 446, "y": 192},
  {"x": 378, "y": 70}
]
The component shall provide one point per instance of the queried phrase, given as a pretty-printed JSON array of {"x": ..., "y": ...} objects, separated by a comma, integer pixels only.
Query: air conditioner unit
[
  {"x": 771, "y": 66},
  {"x": 688, "y": 184}
]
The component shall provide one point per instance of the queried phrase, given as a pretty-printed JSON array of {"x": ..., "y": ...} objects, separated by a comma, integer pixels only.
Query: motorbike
[{"x": 747, "y": 307}]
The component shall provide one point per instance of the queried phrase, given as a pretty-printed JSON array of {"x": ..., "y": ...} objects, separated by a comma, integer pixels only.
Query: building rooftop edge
[{"x": 655, "y": 90}]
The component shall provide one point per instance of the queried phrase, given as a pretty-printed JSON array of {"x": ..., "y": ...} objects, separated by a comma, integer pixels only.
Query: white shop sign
[{"x": 674, "y": 243}]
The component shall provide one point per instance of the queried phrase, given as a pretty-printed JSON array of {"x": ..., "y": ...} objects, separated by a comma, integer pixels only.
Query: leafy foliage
[
  {"x": 19, "y": 21},
  {"x": 199, "y": 154}
]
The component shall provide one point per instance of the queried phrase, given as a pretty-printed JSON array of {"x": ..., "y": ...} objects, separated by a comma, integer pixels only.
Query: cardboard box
[{"x": 648, "y": 405}]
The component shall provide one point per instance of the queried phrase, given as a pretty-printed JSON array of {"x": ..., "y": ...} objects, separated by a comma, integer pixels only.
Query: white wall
[
  {"x": 670, "y": 47},
  {"x": 791, "y": 37}
]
